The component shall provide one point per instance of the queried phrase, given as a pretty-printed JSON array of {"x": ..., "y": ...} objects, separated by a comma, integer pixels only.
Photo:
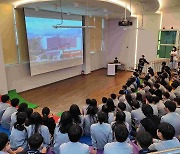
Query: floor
[{"x": 60, "y": 95}]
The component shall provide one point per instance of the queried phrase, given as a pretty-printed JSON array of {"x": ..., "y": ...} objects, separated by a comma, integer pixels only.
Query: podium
[{"x": 111, "y": 68}]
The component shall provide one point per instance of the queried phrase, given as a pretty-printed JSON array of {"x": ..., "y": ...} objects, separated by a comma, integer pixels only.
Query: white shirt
[
  {"x": 88, "y": 121},
  {"x": 116, "y": 102},
  {"x": 128, "y": 117},
  {"x": 3, "y": 107},
  {"x": 118, "y": 148},
  {"x": 174, "y": 54},
  {"x": 74, "y": 148},
  {"x": 137, "y": 115},
  {"x": 161, "y": 108},
  {"x": 122, "y": 98},
  {"x": 155, "y": 109}
]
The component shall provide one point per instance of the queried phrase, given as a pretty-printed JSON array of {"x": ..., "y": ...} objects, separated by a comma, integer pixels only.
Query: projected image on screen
[{"x": 47, "y": 44}]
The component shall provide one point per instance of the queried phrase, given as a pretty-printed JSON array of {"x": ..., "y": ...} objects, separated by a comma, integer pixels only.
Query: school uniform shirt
[
  {"x": 143, "y": 93},
  {"x": 101, "y": 134},
  {"x": 88, "y": 121},
  {"x": 110, "y": 117},
  {"x": 116, "y": 102},
  {"x": 84, "y": 109},
  {"x": 178, "y": 110},
  {"x": 164, "y": 145},
  {"x": 118, "y": 148},
  {"x": 100, "y": 107},
  {"x": 173, "y": 118},
  {"x": 3, "y": 107},
  {"x": 128, "y": 118},
  {"x": 6, "y": 118},
  {"x": 128, "y": 107},
  {"x": 177, "y": 91},
  {"x": 162, "y": 88},
  {"x": 155, "y": 109},
  {"x": 133, "y": 95},
  {"x": 161, "y": 108},
  {"x": 158, "y": 93},
  {"x": 2, "y": 152},
  {"x": 74, "y": 148},
  {"x": 18, "y": 139},
  {"x": 43, "y": 130},
  {"x": 122, "y": 98},
  {"x": 172, "y": 96},
  {"x": 13, "y": 119},
  {"x": 137, "y": 115},
  {"x": 59, "y": 139}
]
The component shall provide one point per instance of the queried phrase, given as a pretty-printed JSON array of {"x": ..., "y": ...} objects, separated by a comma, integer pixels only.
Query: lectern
[{"x": 111, "y": 68}]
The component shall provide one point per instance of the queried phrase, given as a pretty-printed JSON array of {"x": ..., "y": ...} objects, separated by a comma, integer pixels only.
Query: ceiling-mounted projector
[{"x": 125, "y": 23}]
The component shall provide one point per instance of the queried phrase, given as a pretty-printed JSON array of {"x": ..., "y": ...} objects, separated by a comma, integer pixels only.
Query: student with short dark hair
[
  {"x": 28, "y": 111},
  {"x": 74, "y": 146},
  {"x": 167, "y": 140},
  {"x": 139, "y": 99},
  {"x": 176, "y": 88},
  {"x": 172, "y": 117},
  {"x": 177, "y": 101},
  {"x": 144, "y": 140},
  {"x": 149, "y": 101},
  {"x": 84, "y": 108},
  {"x": 115, "y": 100},
  {"x": 169, "y": 90},
  {"x": 157, "y": 92},
  {"x": 4, "y": 104},
  {"x": 122, "y": 96},
  {"x": 122, "y": 107},
  {"x": 37, "y": 127},
  {"x": 35, "y": 142},
  {"x": 128, "y": 102},
  {"x": 133, "y": 94},
  {"x": 160, "y": 106},
  {"x": 18, "y": 137},
  {"x": 120, "y": 146},
  {"x": 142, "y": 92},
  {"x": 48, "y": 120},
  {"x": 109, "y": 114},
  {"x": 61, "y": 130},
  {"x": 104, "y": 101},
  {"x": 101, "y": 133},
  {"x": 6, "y": 117}
]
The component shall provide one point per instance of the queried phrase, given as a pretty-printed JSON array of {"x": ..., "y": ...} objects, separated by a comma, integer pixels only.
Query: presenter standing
[
  {"x": 116, "y": 66},
  {"x": 174, "y": 58},
  {"x": 142, "y": 61}
]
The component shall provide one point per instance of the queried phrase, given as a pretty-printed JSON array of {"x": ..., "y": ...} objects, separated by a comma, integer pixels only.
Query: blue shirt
[{"x": 3, "y": 107}]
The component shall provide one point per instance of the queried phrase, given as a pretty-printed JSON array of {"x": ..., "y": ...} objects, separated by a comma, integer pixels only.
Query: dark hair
[
  {"x": 122, "y": 106},
  {"x": 167, "y": 130},
  {"x": 150, "y": 99},
  {"x": 110, "y": 105},
  {"x": 133, "y": 90},
  {"x": 141, "y": 86},
  {"x": 156, "y": 85},
  {"x": 151, "y": 91},
  {"x": 121, "y": 92},
  {"x": 147, "y": 110},
  {"x": 28, "y": 112},
  {"x": 147, "y": 83},
  {"x": 144, "y": 139},
  {"x": 139, "y": 97},
  {"x": 93, "y": 102},
  {"x": 22, "y": 107},
  {"x": 104, "y": 100},
  {"x": 163, "y": 63},
  {"x": 65, "y": 122},
  {"x": 106, "y": 111},
  {"x": 102, "y": 117},
  {"x": 156, "y": 99},
  {"x": 120, "y": 117},
  {"x": 166, "y": 94},
  {"x": 5, "y": 98},
  {"x": 45, "y": 113},
  {"x": 136, "y": 104},
  {"x": 35, "y": 141},
  {"x": 124, "y": 87},
  {"x": 15, "y": 102},
  {"x": 36, "y": 120},
  {"x": 88, "y": 101},
  {"x": 92, "y": 111},
  {"x": 129, "y": 99},
  {"x": 175, "y": 84},
  {"x": 177, "y": 99},
  {"x": 169, "y": 88},
  {"x": 121, "y": 133},
  {"x": 170, "y": 105},
  {"x": 21, "y": 118},
  {"x": 75, "y": 112},
  {"x": 74, "y": 133},
  {"x": 3, "y": 140},
  {"x": 113, "y": 96}
]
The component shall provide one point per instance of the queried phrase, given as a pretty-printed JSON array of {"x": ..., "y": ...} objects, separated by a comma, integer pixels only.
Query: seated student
[
  {"x": 136, "y": 75},
  {"x": 37, "y": 127},
  {"x": 4, "y": 104},
  {"x": 128, "y": 103},
  {"x": 144, "y": 140},
  {"x": 160, "y": 106},
  {"x": 84, "y": 108},
  {"x": 6, "y": 118},
  {"x": 21, "y": 108},
  {"x": 172, "y": 117},
  {"x": 177, "y": 101},
  {"x": 89, "y": 119},
  {"x": 157, "y": 92},
  {"x": 101, "y": 133},
  {"x": 61, "y": 131},
  {"x": 124, "y": 87},
  {"x": 139, "y": 99},
  {"x": 133, "y": 94},
  {"x": 28, "y": 111},
  {"x": 35, "y": 143},
  {"x": 74, "y": 146},
  {"x": 122, "y": 96},
  {"x": 149, "y": 101},
  {"x": 109, "y": 114},
  {"x": 169, "y": 90},
  {"x": 76, "y": 115},
  {"x": 167, "y": 140},
  {"x": 165, "y": 97},
  {"x": 115, "y": 100},
  {"x": 120, "y": 146},
  {"x": 151, "y": 122},
  {"x": 176, "y": 88},
  {"x": 122, "y": 107},
  {"x": 5, "y": 146},
  {"x": 142, "y": 92},
  {"x": 18, "y": 137},
  {"x": 104, "y": 101},
  {"x": 120, "y": 120},
  {"x": 147, "y": 86},
  {"x": 48, "y": 120},
  {"x": 137, "y": 114}
]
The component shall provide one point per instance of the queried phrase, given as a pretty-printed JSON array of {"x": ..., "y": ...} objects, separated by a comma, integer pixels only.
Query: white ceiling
[{"x": 102, "y": 8}]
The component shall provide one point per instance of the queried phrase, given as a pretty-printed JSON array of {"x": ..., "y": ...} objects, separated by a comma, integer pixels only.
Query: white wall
[
  {"x": 97, "y": 60},
  {"x": 121, "y": 42}
]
